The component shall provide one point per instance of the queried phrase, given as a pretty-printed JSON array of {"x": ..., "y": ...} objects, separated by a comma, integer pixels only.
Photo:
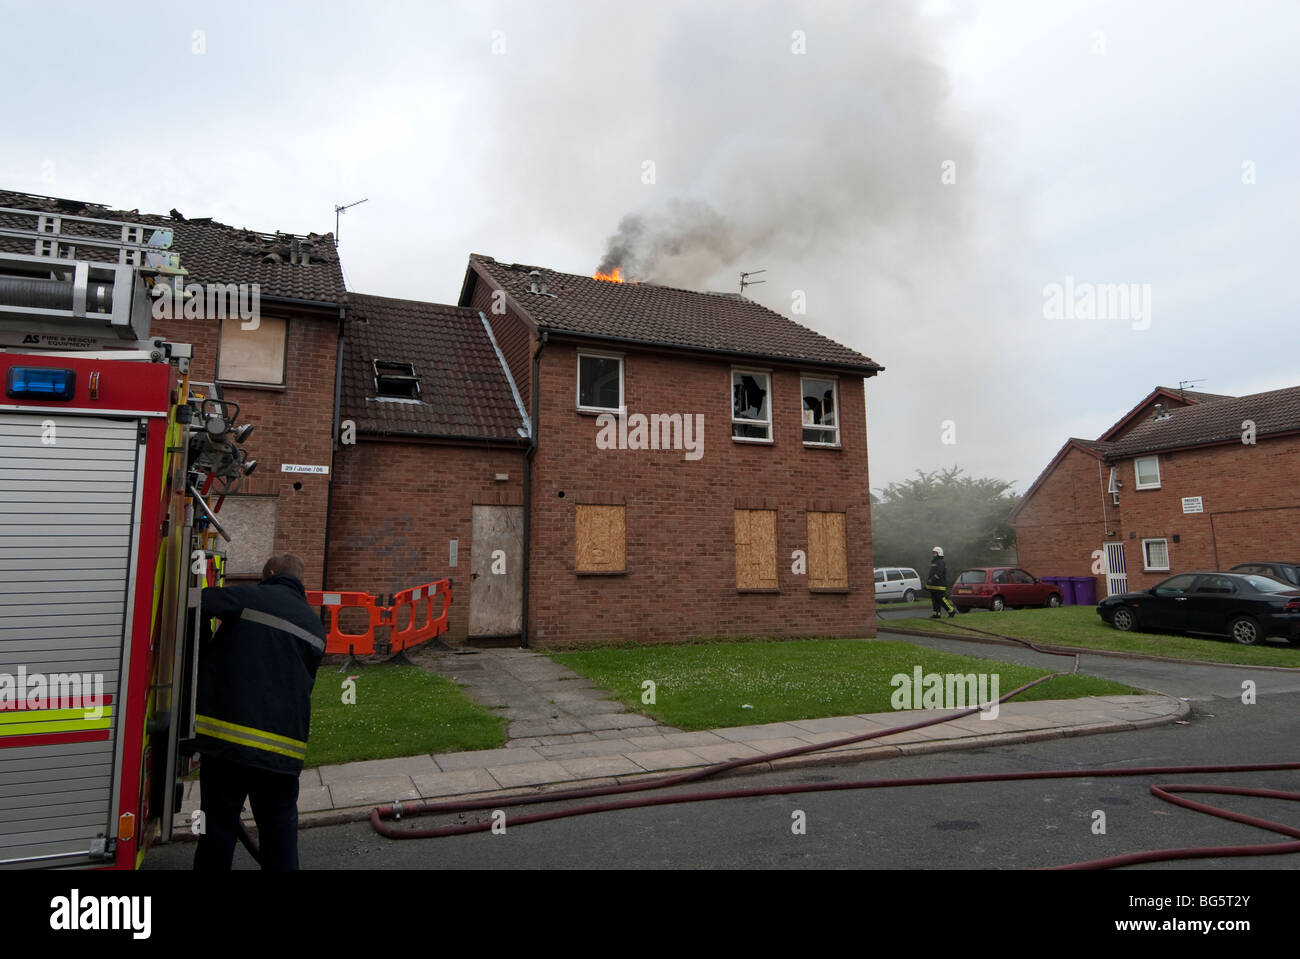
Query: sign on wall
[
  {"x": 1192, "y": 504},
  {"x": 295, "y": 468}
]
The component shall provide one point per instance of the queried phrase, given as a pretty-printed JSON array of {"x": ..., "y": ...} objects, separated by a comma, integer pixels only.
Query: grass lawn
[
  {"x": 705, "y": 686},
  {"x": 1081, "y": 626},
  {"x": 399, "y": 711}
]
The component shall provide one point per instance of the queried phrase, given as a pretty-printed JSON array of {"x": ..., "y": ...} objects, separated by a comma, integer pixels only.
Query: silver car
[{"x": 897, "y": 584}]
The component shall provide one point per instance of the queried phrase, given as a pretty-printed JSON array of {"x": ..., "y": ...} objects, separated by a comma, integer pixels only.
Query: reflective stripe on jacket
[{"x": 256, "y": 674}]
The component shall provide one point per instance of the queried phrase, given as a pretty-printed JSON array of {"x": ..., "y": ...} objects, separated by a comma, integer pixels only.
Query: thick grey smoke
[
  {"x": 690, "y": 240},
  {"x": 841, "y": 149}
]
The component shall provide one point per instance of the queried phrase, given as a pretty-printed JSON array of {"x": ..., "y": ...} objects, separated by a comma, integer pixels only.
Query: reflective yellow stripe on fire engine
[
  {"x": 247, "y": 736},
  {"x": 29, "y": 722}
]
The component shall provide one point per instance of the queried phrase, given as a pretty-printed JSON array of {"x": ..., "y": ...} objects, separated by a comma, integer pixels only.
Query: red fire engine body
[{"x": 105, "y": 543}]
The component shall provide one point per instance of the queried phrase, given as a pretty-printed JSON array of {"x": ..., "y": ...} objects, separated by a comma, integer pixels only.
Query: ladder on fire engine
[{"x": 80, "y": 282}]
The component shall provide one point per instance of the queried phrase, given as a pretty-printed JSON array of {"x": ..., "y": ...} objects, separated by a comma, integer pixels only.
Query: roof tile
[
  {"x": 645, "y": 312},
  {"x": 464, "y": 392},
  {"x": 210, "y": 252}
]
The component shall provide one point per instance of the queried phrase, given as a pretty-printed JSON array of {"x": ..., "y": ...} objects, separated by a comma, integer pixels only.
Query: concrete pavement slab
[
  {"x": 314, "y": 798},
  {"x": 375, "y": 769},
  {"x": 592, "y": 766},
  {"x": 455, "y": 783},
  {"x": 483, "y": 758},
  {"x": 666, "y": 759},
  {"x": 373, "y": 792},
  {"x": 530, "y": 774}
]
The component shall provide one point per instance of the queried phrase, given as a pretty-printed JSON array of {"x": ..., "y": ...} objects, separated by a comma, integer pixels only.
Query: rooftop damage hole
[{"x": 397, "y": 380}]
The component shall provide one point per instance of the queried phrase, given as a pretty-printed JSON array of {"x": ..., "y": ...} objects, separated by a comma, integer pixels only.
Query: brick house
[
  {"x": 281, "y": 373},
  {"x": 436, "y": 468},
  {"x": 589, "y": 461},
  {"x": 1184, "y": 481},
  {"x": 730, "y": 497}
]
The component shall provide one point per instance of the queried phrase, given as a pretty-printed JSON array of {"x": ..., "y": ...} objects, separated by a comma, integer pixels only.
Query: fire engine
[{"x": 112, "y": 466}]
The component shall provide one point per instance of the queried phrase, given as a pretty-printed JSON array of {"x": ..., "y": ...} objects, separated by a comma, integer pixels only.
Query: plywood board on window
[
  {"x": 252, "y": 355},
  {"x": 755, "y": 549},
  {"x": 827, "y": 560},
  {"x": 600, "y": 538},
  {"x": 250, "y": 521}
]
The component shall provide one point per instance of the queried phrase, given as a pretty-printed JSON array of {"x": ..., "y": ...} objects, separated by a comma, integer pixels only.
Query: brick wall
[
  {"x": 513, "y": 338},
  {"x": 293, "y": 424},
  {"x": 1062, "y": 524},
  {"x": 680, "y": 580},
  {"x": 397, "y": 506},
  {"x": 1251, "y": 503},
  {"x": 1251, "y": 512}
]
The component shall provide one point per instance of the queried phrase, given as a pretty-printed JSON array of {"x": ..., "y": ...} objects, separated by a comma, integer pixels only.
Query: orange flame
[{"x": 615, "y": 277}]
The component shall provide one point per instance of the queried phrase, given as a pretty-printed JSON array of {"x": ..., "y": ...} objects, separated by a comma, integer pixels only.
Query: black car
[
  {"x": 1286, "y": 572},
  {"x": 1246, "y": 606}
]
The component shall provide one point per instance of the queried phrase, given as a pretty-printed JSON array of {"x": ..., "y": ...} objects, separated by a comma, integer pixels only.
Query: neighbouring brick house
[
  {"x": 1184, "y": 481},
  {"x": 282, "y": 373},
  {"x": 437, "y": 464}
]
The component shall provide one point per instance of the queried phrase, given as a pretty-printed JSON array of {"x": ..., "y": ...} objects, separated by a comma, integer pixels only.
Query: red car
[{"x": 997, "y": 587}]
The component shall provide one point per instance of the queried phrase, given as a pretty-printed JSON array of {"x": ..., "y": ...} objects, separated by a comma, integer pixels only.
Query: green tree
[{"x": 964, "y": 515}]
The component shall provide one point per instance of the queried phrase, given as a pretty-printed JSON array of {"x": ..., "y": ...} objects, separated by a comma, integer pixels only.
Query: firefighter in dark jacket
[
  {"x": 253, "y": 712},
  {"x": 937, "y": 584}
]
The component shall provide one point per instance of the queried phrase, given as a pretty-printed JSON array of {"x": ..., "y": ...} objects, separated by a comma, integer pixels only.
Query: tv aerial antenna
[
  {"x": 746, "y": 281},
  {"x": 343, "y": 209},
  {"x": 1183, "y": 384}
]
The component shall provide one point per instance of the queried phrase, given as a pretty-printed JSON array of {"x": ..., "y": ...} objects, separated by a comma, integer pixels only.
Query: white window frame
[
  {"x": 1146, "y": 558},
  {"x": 621, "y": 409},
  {"x": 835, "y": 398},
  {"x": 731, "y": 405},
  {"x": 1137, "y": 473}
]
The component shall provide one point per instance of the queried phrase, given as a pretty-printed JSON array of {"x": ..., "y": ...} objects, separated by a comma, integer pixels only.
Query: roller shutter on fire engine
[{"x": 66, "y": 516}]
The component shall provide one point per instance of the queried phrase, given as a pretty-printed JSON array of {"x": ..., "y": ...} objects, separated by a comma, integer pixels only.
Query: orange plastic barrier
[
  {"x": 337, "y": 641},
  {"x": 415, "y": 599}
]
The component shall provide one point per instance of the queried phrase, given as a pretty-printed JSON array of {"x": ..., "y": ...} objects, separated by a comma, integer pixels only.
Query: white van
[{"x": 897, "y": 583}]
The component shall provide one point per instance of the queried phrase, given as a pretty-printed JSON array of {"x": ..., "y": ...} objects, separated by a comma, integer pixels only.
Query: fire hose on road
[{"x": 380, "y": 817}]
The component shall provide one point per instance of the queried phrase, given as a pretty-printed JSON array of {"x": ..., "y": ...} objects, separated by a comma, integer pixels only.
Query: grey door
[{"x": 496, "y": 588}]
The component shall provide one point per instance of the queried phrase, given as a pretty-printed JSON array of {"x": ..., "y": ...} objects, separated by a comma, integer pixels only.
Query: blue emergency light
[{"x": 40, "y": 383}]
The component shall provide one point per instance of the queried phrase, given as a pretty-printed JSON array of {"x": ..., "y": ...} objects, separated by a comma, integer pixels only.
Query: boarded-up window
[
  {"x": 827, "y": 563},
  {"x": 756, "y": 549},
  {"x": 252, "y": 356},
  {"x": 600, "y": 534},
  {"x": 250, "y": 521}
]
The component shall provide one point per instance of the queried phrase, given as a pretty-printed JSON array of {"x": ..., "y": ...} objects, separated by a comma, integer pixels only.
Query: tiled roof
[
  {"x": 1196, "y": 396},
  {"x": 464, "y": 392},
  {"x": 714, "y": 322},
  {"x": 1276, "y": 411},
  {"x": 211, "y": 252}
]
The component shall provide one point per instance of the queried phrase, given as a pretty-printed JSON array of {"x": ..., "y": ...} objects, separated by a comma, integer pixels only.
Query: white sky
[{"x": 1101, "y": 140}]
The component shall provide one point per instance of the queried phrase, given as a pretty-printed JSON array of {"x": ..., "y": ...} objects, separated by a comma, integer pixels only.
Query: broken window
[
  {"x": 751, "y": 408},
  {"x": 820, "y": 421},
  {"x": 756, "y": 549},
  {"x": 827, "y": 558},
  {"x": 397, "y": 380},
  {"x": 600, "y": 536},
  {"x": 600, "y": 382}
]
